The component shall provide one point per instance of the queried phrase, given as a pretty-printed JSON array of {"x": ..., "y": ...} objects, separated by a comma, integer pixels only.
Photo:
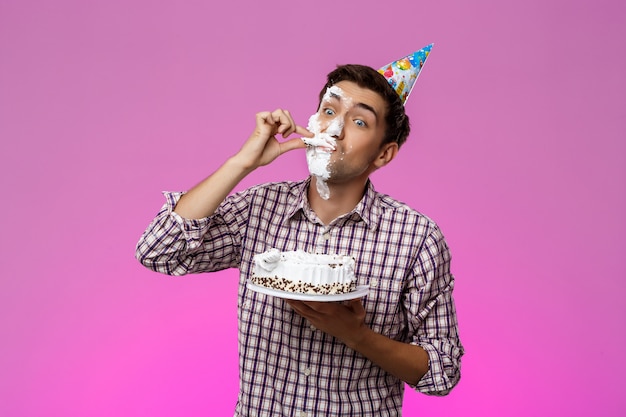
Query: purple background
[{"x": 518, "y": 151}]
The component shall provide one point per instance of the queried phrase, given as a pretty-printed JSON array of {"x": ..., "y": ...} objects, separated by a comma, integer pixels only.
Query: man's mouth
[{"x": 321, "y": 142}]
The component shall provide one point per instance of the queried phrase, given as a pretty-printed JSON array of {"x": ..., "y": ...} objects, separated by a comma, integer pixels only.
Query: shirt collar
[
  {"x": 299, "y": 202},
  {"x": 368, "y": 209}
]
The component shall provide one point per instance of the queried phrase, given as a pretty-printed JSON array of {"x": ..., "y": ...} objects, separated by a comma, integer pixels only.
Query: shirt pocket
[{"x": 384, "y": 312}]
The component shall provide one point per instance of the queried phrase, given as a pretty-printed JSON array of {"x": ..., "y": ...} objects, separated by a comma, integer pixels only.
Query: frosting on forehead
[
  {"x": 333, "y": 90},
  {"x": 336, "y": 91}
]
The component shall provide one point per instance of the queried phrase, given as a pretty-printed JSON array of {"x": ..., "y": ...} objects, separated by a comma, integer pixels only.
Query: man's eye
[
  {"x": 360, "y": 123},
  {"x": 329, "y": 112}
]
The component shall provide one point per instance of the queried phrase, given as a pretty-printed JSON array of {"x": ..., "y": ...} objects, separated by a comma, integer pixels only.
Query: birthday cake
[{"x": 303, "y": 272}]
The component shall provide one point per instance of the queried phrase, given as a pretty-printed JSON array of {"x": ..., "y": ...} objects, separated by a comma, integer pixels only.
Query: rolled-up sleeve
[
  {"x": 432, "y": 316},
  {"x": 176, "y": 246}
]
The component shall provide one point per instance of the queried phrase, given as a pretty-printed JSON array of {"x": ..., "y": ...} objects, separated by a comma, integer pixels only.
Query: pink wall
[{"x": 518, "y": 151}]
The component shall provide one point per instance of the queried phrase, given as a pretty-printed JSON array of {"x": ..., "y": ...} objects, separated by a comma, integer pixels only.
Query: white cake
[{"x": 303, "y": 272}]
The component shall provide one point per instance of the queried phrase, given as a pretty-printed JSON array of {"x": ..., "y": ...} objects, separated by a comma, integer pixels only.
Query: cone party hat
[{"x": 403, "y": 73}]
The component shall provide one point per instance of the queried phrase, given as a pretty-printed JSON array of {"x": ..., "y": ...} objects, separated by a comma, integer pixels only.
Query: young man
[{"x": 318, "y": 358}]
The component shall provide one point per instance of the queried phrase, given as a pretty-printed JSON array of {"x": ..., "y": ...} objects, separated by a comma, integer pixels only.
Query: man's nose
[
  {"x": 338, "y": 136},
  {"x": 335, "y": 128}
]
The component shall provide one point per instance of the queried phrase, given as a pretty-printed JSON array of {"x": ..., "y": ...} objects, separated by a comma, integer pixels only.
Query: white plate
[{"x": 361, "y": 291}]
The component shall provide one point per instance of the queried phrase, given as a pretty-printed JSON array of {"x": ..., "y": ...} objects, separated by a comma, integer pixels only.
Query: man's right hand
[{"x": 262, "y": 147}]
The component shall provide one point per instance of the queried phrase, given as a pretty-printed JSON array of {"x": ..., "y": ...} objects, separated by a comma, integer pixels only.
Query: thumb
[
  {"x": 291, "y": 144},
  {"x": 356, "y": 305}
]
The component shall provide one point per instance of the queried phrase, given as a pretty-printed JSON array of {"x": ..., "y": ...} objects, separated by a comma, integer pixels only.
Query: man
[{"x": 318, "y": 358}]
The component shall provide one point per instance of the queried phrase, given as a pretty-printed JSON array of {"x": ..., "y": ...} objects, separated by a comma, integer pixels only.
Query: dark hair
[{"x": 396, "y": 120}]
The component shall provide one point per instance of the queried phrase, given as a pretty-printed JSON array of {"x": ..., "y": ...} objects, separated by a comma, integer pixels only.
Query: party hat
[{"x": 401, "y": 74}]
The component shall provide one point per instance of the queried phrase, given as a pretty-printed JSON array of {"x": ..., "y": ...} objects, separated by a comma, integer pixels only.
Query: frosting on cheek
[
  {"x": 335, "y": 127},
  {"x": 322, "y": 144},
  {"x": 318, "y": 155}
]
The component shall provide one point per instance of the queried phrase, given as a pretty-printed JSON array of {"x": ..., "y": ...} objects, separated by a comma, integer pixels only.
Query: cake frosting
[
  {"x": 303, "y": 272},
  {"x": 321, "y": 146}
]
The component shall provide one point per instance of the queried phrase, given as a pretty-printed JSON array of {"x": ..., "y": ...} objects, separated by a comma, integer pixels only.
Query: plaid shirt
[{"x": 286, "y": 366}]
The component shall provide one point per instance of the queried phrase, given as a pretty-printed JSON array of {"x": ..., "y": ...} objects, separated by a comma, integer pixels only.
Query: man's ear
[{"x": 386, "y": 155}]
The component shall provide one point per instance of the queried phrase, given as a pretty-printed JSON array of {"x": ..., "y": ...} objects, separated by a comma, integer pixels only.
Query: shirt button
[
  {"x": 313, "y": 328},
  {"x": 307, "y": 372},
  {"x": 373, "y": 282},
  {"x": 326, "y": 236},
  {"x": 303, "y": 414}
]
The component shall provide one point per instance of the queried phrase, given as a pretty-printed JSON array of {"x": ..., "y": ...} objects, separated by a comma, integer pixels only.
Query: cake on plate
[{"x": 303, "y": 272}]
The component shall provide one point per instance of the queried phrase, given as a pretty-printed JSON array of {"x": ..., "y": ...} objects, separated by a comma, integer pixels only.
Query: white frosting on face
[
  {"x": 321, "y": 140},
  {"x": 323, "y": 143},
  {"x": 336, "y": 91},
  {"x": 318, "y": 155},
  {"x": 335, "y": 127}
]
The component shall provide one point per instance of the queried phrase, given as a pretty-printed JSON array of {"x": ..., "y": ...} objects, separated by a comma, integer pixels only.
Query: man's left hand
[{"x": 345, "y": 321}]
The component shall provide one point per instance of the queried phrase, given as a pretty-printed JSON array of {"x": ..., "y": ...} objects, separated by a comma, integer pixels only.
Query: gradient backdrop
[{"x": 518, "y": 152}]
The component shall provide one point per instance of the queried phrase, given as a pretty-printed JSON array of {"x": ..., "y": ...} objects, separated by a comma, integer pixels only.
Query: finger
[
  {"x": 296, "y": 305},
  {"x": 290, "y": 127},
  {"x": 265, "y": 117},
  {"x": 356, "y": 305},
  {"x": 291, "y": 144},
  {"x": 325, "y": 308},
  {"x": 283, "y": 119},
  {"x": 292, "y": 302},
  {"x": 302, "y": 309},
  {"x": 265, "y": 120},
  {"x": 304, "y": 132},
  {"x": 317, "y": 306}
]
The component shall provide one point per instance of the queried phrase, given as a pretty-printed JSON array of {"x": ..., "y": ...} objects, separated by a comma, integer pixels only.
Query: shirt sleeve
[
  {"x": 176, "y": 246},
  {"x": 432, "y": 316}
]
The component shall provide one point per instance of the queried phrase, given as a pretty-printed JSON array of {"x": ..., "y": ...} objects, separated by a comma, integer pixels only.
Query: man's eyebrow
[
  {"x": 335, "y": 96},
  {"x": 360, "y": 105},
  {"x": 367, "y": 107}
]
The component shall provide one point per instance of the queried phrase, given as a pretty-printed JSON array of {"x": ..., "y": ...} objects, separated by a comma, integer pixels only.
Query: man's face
[{"x": 355, "y": 118}]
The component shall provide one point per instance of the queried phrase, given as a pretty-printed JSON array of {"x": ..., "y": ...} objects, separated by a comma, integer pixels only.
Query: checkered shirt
[{"x": 286, "y": 366}]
